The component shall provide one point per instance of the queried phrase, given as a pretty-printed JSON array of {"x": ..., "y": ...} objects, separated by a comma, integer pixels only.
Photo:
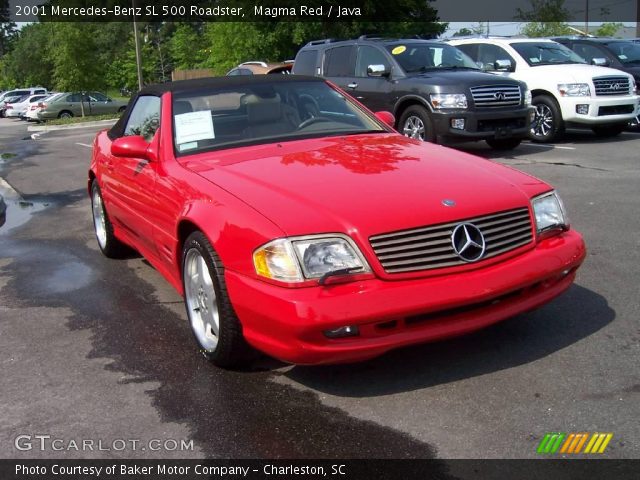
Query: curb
[{"x": 53, "y": 128}]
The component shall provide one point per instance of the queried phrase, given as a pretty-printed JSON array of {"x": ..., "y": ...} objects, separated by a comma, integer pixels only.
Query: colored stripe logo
[{"x": 573, "y": 443}]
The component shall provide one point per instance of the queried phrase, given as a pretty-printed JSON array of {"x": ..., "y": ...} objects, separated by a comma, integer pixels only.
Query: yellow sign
[{"x": 398, "y": 50}]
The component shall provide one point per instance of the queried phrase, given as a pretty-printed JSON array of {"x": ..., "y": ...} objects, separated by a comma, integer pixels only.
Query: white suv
[{"x": 566, "y": 90}]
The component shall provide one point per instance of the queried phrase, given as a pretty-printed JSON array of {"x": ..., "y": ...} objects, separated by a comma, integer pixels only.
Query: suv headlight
[
  {"x": 574, "y": 89},
  {"x": 297, "y": 259},
  {"x": 549, "y": 212},
  {"x": 527, "y": 98},
  {"x": 448, "y": 100}
]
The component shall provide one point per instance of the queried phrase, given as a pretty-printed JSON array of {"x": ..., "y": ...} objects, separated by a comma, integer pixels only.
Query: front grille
[
  {"x": 611, "y": 85},
  {"x": 496, "y": 95},
  {"x": 615, "y": 110},
  {"x": 430, "y": 247}
]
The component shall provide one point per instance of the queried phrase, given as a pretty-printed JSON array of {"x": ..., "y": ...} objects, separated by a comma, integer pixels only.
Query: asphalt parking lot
[{"x": 92, "y": 348}]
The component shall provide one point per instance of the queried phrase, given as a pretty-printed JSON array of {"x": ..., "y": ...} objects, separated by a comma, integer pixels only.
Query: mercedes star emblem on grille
[{"x": 468, "y": 242}]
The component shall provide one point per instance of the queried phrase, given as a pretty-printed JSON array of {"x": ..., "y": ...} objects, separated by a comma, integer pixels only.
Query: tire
[
  {"x": 65, "y": 114},
  {"x": 109, "y": 245},
  {"x": 205, "y": 291},
  {"x": 503, "y": 143},
  {"x": 547, "y": 124},
  {"x": 607, "y": 131},
  {"x": 416, "y": 123}
]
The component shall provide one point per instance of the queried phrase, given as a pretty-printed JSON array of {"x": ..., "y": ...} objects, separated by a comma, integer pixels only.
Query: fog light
[
  {"x": 346, "y": 331},
  {"x": 582, "y": 109},
  {"x": 457, "y": 123}
]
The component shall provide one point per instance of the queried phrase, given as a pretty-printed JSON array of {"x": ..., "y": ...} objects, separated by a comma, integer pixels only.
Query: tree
[
  {"x": 185, "y": 47},
  {"x": 29, "y": 62},
  {"x": 546, "y": 18},
  {"x": 608, "y": 29},
  {"x": 463, "y": 32}
]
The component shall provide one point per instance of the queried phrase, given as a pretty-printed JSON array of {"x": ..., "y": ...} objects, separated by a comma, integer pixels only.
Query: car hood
[
  {"x": 363, "y": 184},
  {"x": 576, "y": 72},
  {"x": 456, "y": 77}
]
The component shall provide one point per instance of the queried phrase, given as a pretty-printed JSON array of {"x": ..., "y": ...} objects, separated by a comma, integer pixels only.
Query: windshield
[
  {"x": 627, "y": 52},
  {"x": 421, "y": 57},
  {"x": 546, "y": 53},
  {"x": 264, "y": 112}
]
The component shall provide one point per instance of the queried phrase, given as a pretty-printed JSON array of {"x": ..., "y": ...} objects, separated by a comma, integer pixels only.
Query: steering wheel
[
  {"x": 311, "y": 121},
  {"x": 311, "y": 107}
]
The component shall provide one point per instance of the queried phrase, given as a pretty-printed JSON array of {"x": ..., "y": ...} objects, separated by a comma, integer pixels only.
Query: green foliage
[
  {"x": 463, "y": 32},
  {"x": 608, "y": 29},
  {"x": 28, "y": 63},
  {"x": 544, "y": 29},
  {"x": 185, "y": 47},
  {"x": 546, "y": 18}
]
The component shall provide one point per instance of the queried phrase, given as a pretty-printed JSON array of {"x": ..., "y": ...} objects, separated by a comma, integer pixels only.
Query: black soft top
[{"x": 182, "y": 86}]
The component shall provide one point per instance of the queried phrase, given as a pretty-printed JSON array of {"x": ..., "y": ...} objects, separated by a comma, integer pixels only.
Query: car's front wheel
[
  {"x": 415, "y": 123},
  {"x": 213, "y": 321},
  {"x": 547, "y": 124},
  {"x": 503, "y": 143},
  {"x": 109, "y": 245},
  {"x": 65, "y": 114}
]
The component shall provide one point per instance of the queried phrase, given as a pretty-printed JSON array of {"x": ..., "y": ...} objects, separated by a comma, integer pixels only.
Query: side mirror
[
  {"x": 133, "y": 146},
  {"x": 386, "y": 118},
  {"x": 503, "y": 65},
  {"x": 378, "y": 71},
  {"x": 600, "y": 62}
]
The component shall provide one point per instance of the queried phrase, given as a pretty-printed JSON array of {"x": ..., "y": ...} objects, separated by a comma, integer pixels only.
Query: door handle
[{"x": 352, "y": 85}]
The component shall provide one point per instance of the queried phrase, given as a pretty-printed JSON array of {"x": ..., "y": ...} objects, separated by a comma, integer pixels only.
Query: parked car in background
[
  {"x": 294, "y": 220},
  {"x": 19, "y": 108},
  {"x": 567, "y": 91},
  {"x": 19, "y": 92},
  {"x": 616, "y": 53},
  {"x": 8, "y": 102},
  {"x": 34, "y": 108},
  {"x": 68, "y": 105},
  {"x": 261, "y": 68},
  {"x": 435, "y": 91}
]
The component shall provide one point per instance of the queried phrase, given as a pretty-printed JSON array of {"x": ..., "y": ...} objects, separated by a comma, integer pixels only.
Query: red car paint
[{"x": 359, "y": 185}]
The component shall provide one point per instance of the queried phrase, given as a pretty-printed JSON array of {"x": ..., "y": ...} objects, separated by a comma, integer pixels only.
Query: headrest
[
  {"x": 182, "y": 106},
  {"x": 262, "y": 110}
]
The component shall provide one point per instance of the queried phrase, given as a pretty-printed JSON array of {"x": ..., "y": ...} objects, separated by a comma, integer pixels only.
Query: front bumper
[
  {"x": 483, "y": 124},
  {"x": 288, "y": 323},
  {"x": 602, "y": 110}
]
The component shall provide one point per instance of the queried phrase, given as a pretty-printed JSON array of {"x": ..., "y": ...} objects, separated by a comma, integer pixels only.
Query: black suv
[{"x": 434, "y": 90}]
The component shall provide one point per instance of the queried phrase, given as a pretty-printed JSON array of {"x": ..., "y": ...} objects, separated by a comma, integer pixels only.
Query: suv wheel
[
  {"x": 503, "y": 143},
  {"x": 415, "y": 123},
  {"x": 547, "y": 124},
  {"x": 609, "y": 130}
]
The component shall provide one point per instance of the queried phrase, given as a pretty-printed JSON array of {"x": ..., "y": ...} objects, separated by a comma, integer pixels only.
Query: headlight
[
  {"x": 298, "y": 259},
  {"x": 527, "y": 98},
  {"x": 448, "y": 100},
  {"x": 549, "y": 212},
  {"x": 574, "y": 89}
]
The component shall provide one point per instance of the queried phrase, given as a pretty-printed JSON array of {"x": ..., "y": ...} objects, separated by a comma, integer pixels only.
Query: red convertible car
[{"x": 295, "y": 221}]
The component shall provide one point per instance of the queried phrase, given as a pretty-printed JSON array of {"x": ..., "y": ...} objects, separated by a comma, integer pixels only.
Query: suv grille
[
  {"x": 611, "y": 85},
  {"x": 430, "y": 247},
  {"x": 496, "y": 95}
]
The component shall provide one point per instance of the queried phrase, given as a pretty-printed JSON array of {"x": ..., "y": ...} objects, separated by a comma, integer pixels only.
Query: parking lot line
[{"x": 548, "y": 146}]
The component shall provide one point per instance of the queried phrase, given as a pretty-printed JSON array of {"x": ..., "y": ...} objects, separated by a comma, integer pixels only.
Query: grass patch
[
  {"x": 7, "y": 156},
  {"x": 89, "y": 118}
]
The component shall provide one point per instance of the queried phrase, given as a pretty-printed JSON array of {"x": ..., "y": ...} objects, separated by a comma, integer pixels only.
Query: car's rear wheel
[
  {"x": 503, "y": 143},
  {"x": 547, "y": 124},
  {"x": 609, "y": 130},
  {"x": 415, "y": 123},
  {"x": 65, "y": 114},
  {"x": 109, "y": 245},
  {"x": 213, "y": 321}
]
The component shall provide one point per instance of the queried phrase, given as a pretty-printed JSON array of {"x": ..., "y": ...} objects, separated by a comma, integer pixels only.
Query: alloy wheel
[
  {"x": 543, "y": 121},
  {"x": 200, "y": 296},
  {"x": 414, "y": 128}
]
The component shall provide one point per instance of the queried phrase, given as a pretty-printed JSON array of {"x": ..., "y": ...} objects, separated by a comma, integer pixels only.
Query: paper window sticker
[
  {"x": 398, "y": 50},
  {"x": 194, "y": 126}
]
